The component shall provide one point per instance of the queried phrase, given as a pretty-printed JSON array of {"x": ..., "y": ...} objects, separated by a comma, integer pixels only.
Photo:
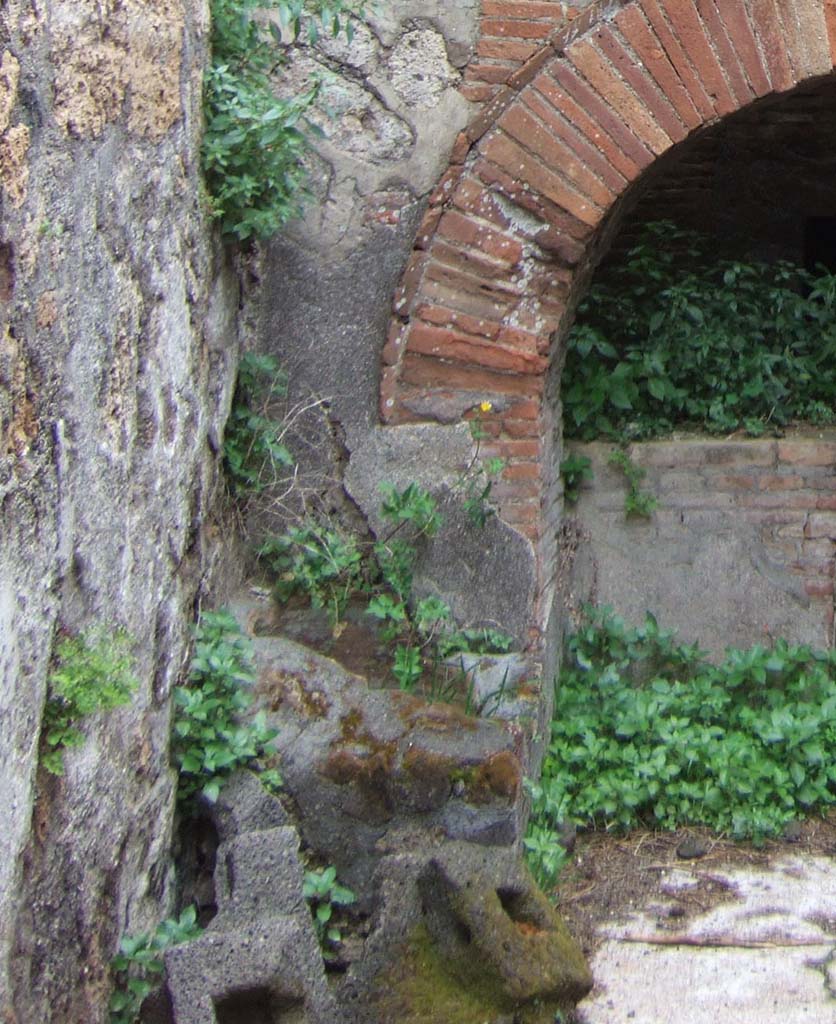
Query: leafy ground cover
[
  {"x": 674, "y": 335},
  {"x": 647, "y": 732}
]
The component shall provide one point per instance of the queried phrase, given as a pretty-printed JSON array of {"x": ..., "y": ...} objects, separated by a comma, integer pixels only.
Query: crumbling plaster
[
  {"x": 327, "y": 282},
  {"x": 389, "y": 112}
]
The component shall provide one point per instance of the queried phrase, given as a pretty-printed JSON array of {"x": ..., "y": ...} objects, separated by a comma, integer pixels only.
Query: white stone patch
[
  {"x": 419, "y": 68},
  {"x": 350, "y": 117},
  {"x": 359, "y": 53},
  {"x": 764, "y": 957}
]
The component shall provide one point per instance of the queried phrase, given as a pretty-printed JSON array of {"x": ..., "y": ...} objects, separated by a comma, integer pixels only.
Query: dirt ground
[{"x": 611, "y": 875}]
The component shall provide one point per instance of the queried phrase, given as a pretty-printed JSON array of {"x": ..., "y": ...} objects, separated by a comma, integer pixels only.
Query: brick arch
[{"x": 512, "y": 227}]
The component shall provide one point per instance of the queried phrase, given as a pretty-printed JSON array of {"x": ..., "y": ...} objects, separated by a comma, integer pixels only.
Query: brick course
[{"x": 766, "y": 492}]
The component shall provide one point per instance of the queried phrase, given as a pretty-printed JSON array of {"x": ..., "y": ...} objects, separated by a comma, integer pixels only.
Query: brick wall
[
  {"x": 740, "y": 549},
  {"x": 576, "y": 109},
  {"x": 514, "y": 31}
]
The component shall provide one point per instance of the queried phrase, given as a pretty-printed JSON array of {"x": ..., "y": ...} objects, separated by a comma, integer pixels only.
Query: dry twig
[{"x": 718, "y": 942}]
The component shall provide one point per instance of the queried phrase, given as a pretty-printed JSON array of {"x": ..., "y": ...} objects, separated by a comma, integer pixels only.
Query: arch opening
[
  {"x": 740, "y": 546},
  {"x": 539, "y": 189}
]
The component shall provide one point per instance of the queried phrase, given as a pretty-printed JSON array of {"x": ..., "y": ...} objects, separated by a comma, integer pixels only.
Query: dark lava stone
[{"x": 692, "y": 847}]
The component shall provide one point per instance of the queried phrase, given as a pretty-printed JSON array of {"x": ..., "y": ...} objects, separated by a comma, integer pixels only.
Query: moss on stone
[
  {"x": 419, "y": 987},
  {"x": 350, "y": 724},
  {"x": 499, "y": 776}
]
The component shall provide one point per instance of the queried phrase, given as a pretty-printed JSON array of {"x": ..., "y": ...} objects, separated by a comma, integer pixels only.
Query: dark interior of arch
[
  {"x": 760, "y": 181},
  {"x": 714, "y": 561}
]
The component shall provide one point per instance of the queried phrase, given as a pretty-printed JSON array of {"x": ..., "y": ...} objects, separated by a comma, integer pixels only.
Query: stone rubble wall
[
  {"x": 740, "y": 550},
  {"x": 118, "y": 348}
]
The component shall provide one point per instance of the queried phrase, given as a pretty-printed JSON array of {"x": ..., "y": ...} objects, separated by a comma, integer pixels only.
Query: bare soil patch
[{"x": 611, "y": 875}]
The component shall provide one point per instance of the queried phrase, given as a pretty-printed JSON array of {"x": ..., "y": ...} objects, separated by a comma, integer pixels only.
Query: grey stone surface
[
  {"x": 352, "y": 119},
  {"x": 399, "y": 455},
  {"x": 244, "y": 805},
  {"x": 469, "y": 902},
  {"x": 117, "y": 353},
  {"x": 258, "y": 874},
  {"x": 419, "y": 67},
  {"x": 707, "y": 578},
  {"x": 326, "y": 318},
  {"x": 484, "y": 574},
  {"x": 495, "y": 681},
  {"x": 259, "y": 959},
  {"x": 363, "y": 766},
  {"x": 269, "y": 969},
  {"x": 458, "y": 22},
  {"x": 395, "y": 112},
  {"x": 766, "y": 955},
  {"x": 699, "y": 563},
  {"x": 471, "y": 909},
  {"x": 328, "y": 286}
]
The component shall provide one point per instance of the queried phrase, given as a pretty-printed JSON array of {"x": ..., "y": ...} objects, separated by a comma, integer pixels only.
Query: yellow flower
[{"x": 485, "y": 406}]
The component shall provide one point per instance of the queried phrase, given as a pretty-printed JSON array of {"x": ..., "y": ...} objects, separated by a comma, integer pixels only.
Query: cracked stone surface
[{"x": 768, "y": 956}]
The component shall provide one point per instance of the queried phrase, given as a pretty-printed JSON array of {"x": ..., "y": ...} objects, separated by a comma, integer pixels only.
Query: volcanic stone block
[
  {"x": 266, "y": 972},
  {"x": 244, "y": 805},
  {"x": 461, "y": 933},
  {"x": 259, "y": 961},
  {"x": 259, "y": 874}
]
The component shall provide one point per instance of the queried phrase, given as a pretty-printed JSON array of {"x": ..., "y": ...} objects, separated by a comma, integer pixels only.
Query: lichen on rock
[
  {"x": 109, "y": 55},
  {"x": 9, "y": 77},
  {"x": 14, "y": 139},
  {"x": 14, "y": 146}
]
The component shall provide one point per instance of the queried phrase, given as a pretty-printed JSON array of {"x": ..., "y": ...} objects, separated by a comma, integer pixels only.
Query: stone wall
[
  {"x": 481, "y": 157},
  {"x": 328, "y": 282},
  {"x": 740, "y": 549},
  {"x": 117, "y": 352}
]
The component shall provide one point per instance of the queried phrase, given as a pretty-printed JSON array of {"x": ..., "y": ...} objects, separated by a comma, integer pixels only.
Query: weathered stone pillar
[{"x": 117, "y": 351}]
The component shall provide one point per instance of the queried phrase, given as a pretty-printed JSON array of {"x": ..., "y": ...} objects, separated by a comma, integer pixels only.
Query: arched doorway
[{"x": 540, "y": 184}]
